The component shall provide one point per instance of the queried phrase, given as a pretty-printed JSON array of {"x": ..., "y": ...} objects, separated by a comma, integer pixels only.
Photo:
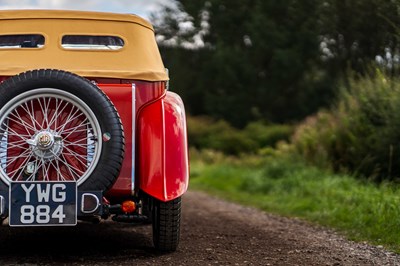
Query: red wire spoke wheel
[{"x": 52, "y": 124}]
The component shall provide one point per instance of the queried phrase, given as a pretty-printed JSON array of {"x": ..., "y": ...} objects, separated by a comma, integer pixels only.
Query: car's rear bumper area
[
  {"x": 90, "y": 206},
  {"x": 87, "y": 204}
]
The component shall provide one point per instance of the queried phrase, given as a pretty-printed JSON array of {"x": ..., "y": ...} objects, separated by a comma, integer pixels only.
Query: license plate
[{"x": 42, "y": 203}]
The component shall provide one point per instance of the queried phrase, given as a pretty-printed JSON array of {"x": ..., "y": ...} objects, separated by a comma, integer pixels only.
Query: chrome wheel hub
[{"x": 46, "y": 145}]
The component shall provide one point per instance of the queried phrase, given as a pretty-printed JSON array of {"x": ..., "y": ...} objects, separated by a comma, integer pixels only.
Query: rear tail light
[{"x": 128, "y": 206}]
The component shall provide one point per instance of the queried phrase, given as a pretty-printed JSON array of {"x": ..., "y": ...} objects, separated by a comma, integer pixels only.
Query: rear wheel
[{"x": 166, "y": 218}]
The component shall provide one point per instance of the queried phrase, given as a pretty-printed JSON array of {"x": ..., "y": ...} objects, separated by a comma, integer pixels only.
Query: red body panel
[
  {"x": 156, "y": 152},
  {"x": 162, "y": 148},
  {"x": 122, "y": 97},
  {"x": 127, "y": 106}
]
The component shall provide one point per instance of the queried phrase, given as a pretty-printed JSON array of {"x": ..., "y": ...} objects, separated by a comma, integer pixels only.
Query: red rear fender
[{"x": 162, "y": 148}]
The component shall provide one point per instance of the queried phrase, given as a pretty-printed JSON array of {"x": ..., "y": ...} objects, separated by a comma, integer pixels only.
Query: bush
[
  {"x": 360, "y": 134},
  {"x": 205, "y": 133},
  {"x": 265, "y": 135}
]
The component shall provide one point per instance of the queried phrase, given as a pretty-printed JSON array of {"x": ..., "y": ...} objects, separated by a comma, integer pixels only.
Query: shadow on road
[{"x": 83, "y": 243}]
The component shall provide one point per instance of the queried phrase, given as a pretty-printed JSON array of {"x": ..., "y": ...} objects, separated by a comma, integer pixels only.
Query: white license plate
[{"x": 42, "y": 203}]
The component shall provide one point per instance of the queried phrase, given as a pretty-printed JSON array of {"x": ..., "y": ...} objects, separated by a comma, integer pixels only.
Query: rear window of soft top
[
  {"x": 15, "y": 41},
  {"x": 89, "y": 42}
]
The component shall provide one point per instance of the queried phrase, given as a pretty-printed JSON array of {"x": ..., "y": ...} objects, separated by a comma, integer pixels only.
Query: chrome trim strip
[
  {"x": 133, "y": 136},
  {"x": 2, "y": 205}
]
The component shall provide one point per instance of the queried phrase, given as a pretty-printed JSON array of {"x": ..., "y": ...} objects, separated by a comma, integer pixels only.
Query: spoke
[
  {"x": 43, "y": 111},
  {"x": 43, "y": 166},
  {"x": 16, "y": 142},
  {"x": 20, "y": 119},
  {"x": 14, "y": 133},
  {"x": 80, "y": 161},
  {"x": 12, "y": 173},
  {"x": 12, "y": 145},
  {"x": 21, "y": 141},
  {"x": 47, "y": 106},
  {"x": 47, "y": 171},
  {"x": 26, "y": 153},
  {"x": 17, "y": 134},
  {"x": 70, "y": 121},
  {"x": 55, "y": 116},
  {"x": 61, "y": 114},
  {"x": 71, "y": 116},
  {"x": 33, "y": 116},
  {"x": 90, "y": 148},
  {"x": 83, "y": 123},
  {"x": 76, "y": 155},
  {"x": 83, "y": 145},
  {"x": 14, "y": 159},
  {"x": 25, "y": 107},
  {"x": 82, "y": 126},
  {"x": 57, "y": 169},
  {"x": 20, "y": 122},
  {"x": 80, "y": 136},
  {"x": 70, "y": 167},
  {"x": 31, "y": 177}
]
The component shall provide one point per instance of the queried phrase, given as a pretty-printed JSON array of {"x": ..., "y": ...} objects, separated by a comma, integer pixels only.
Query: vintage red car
[{"x": 88, "y": 127}]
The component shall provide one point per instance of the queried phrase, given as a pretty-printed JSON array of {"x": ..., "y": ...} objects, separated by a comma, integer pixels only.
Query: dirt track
[{"x": 214, "y": 232}]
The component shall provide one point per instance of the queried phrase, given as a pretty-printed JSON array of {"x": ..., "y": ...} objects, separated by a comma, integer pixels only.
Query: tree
[
  {"x": 273, "y": 60},
  {"x": 355, "y": 33}
]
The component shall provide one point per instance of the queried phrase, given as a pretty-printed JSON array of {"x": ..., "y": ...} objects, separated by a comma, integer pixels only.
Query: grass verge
[{"x": 361, "y": 210}]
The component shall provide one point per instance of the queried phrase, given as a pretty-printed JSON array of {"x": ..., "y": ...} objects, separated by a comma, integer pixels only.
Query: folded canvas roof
[{"x": 138, "y": 58}]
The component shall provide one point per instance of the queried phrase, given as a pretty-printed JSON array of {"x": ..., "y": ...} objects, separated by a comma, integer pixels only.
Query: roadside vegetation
[
  {"x": 294, "y": 108},
  {"x": 339, "y": 168},
  {"x": 359, "y": 134},
  {"x": 286, "y": 185}
]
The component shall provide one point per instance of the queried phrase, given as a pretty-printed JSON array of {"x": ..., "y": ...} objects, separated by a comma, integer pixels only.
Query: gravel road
[{"x": 214, "y": 232}]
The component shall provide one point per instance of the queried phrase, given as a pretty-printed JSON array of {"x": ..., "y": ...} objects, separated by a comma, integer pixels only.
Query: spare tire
[{"x": 58, "y": 126}]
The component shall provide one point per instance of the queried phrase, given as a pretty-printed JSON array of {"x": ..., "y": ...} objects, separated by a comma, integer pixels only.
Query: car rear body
[{"x": 118, "y": 53}]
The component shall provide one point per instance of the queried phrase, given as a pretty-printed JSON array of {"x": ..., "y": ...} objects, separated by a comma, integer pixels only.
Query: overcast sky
[{"x": 140, "y": 7}]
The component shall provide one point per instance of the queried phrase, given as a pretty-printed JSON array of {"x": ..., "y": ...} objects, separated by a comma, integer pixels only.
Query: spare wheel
[{"x": 58, "y": 126}]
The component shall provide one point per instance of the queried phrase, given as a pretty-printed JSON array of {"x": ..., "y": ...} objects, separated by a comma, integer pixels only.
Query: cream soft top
[{"x": 139, "y": 58}]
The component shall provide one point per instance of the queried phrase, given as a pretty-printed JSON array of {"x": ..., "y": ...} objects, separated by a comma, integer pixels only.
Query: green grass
[{"x": 361, "y": 210}]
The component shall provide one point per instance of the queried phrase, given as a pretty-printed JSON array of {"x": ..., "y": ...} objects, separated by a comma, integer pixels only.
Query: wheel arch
[{"x": 163, "y": 160}]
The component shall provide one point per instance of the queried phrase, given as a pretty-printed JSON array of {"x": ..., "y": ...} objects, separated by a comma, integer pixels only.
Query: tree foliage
[{"x": 272, "y": 60}]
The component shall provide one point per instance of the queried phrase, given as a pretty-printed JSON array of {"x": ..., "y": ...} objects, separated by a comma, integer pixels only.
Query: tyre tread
[{"x": 166, "y": 224}]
